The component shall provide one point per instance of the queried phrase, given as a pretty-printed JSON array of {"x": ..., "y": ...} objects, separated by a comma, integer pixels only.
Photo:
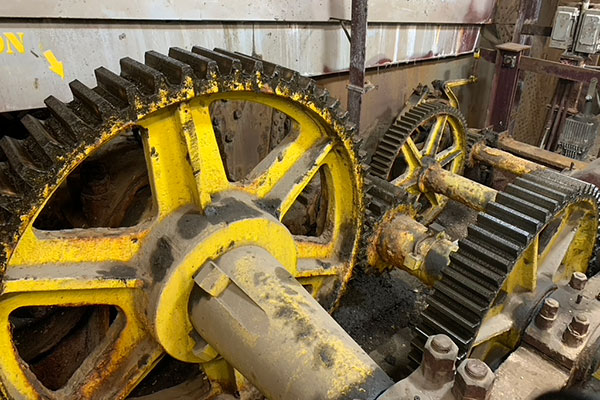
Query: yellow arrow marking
[{"x": 55, "y": 65}]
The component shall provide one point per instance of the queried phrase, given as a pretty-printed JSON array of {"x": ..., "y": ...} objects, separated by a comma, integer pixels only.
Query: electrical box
[
  {"x": 563, "y": 30},
  {"x": 588, "y": 40}
]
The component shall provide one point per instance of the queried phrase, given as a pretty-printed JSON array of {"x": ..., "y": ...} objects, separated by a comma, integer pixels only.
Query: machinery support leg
[
  {"x": 504, "y": 88},
  {"x": 263, "y": 322},
  {"x": 458, "y": 188}
]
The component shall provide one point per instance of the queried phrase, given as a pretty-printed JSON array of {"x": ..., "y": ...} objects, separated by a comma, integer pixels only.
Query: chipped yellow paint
[
  {"x": 579, "y": 219},
  {"x": 184, "y": 169},
  {"x": 103, "y": 245},
  {"x": 171, "y": 318}
]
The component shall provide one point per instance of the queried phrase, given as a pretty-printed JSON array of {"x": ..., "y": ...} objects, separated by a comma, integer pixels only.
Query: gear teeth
[
  {"x": 227, "y": 65},
  {"x": 74, "y": 126},
  {"x": 38, "y": 133},
  {"x": 514, "y": 217},
  {"x": 149, "y": 80},
  {"x": 92, "y": 101},
  {"x": 117, "y": 90},
  {"x": 549, "y": 204},
  {"x": 176, "y": 72},
  {"x": 20, "y": 160},
  {"x": 503, "y": 228},
  {"x": 524, "y": 207},
  {"x": 72, "y": 131},
  {"x": 494, "y": 244},
  {"x": 489, "y": 239},
  {"x": 249, "y": 64},
  {"x": 203, "y": 67}
]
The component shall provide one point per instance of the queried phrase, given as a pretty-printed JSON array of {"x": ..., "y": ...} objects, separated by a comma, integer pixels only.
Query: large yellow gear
[{"x": 166, "y": 102}]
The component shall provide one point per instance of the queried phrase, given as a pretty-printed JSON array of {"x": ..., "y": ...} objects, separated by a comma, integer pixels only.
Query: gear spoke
[
  {"x": 435, "y": 136},
  {"x": 289, "y": 187},
  {"x": 203, "y": 149},
  {"x": 171, "y": 176},
  {"x": 78, "y": 246},
  {"x": 447, "y": 156},
  {"x": 125, "y": 342}
]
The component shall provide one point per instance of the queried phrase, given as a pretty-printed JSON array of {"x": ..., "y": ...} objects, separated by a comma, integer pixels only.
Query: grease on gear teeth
[
  {"x": 381, "y": 196},
  {"x": 485, "y": 258},
  {"x": 37, "y": 165},
  {"x": 390, "y": 145}
]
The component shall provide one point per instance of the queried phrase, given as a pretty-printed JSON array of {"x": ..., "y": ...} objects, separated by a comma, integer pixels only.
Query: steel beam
[
  {"x": 358, "y": 50},
  {"x": 504, "y": 88}
]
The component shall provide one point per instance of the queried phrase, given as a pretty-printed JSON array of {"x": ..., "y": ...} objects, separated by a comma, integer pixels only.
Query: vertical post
[
  {"x": 506, "y": 79},
  {"x": 358, "y": 46}
]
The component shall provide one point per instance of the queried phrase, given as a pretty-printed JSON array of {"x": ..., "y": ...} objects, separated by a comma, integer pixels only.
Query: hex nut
[
  {"x": 474, "y": 380},
  {"x": 576, "y": 331},
  {"x": 547, "y": 315},
  {"x": 578, "y": 281},
  {"x": 439, "y": 358}
]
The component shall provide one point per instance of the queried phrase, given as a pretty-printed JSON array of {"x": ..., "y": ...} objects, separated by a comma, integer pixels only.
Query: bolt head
[
  {"x": 478, "y": 387},
  {"x": 550, "y": 307},
  {"x": 578, "y": 281},
  {"x": 439, "y": 357},
  {"x": 580, "y": 324}
]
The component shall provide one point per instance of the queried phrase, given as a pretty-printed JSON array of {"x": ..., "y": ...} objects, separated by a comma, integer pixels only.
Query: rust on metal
[
  {"x": 544, "y": 157},
  {"x": 456, "y": 187},
  {"x": 504, "y": 87},
  {"x": 559, "y": 70},
  {"x": 503, "y": 160}
]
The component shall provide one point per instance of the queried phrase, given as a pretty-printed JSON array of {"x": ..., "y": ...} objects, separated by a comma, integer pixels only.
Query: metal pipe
[
  {"x": 560, "y": 118},
  {"x": 259, "y": 318},
  {"x": 503, "y": 160},
  {"x": 551, "y": 113},
  {"x": 472, "y": 194},
  {"x": 545, "y": 157},
  {"x": 358, "y": 49}
]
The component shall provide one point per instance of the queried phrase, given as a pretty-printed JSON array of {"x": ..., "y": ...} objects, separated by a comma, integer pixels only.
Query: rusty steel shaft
[
  {"x": 545, "y": 157},
  {"x": 472, "y": 194},
  {"x": 503, "y": 160}
]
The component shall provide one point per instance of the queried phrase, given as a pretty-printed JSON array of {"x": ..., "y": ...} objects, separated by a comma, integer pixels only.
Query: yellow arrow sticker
[{"x": 55, "y": 65}]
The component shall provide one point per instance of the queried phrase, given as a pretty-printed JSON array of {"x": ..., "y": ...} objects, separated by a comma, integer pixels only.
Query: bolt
[
  {"x": 237, "y": 114},
  {"x": 547, "y": 314},
  {"x": 439, "y": 357},
  {"x": 598, "y": 297},
  {"x": 474, "y": 380},
  {"x": 476, "y": 369},
  {"x": 441, "y": 343},
  {"x": 578, "y": 281},
  {"x": 576, "y": 331}
]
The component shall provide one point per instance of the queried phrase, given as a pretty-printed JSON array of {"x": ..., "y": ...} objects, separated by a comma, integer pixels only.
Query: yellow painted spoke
[
  {"x": 341, "y": 216},
  {"x": 412, "y": 151},
  {"x": 78, "y": 246},
  {"x": 205, "y": 156},
  {"x": 435, "y": 136},
  {"x": 289, "y": 187},
  {"x": 313, "y": 268},
  {"x": 433, "y": 198},
  {"x": 67, "y": 277},
  {"x": 171, "y": 176},
  {"x": 267, "y": 174},
  {"x": 447, "y": 156},
  {"x": 125, "y": 355}
]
